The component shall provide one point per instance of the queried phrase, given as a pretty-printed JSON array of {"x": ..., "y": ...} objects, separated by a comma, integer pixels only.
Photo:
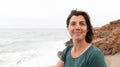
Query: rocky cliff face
[{"x": 107, "y": 38}]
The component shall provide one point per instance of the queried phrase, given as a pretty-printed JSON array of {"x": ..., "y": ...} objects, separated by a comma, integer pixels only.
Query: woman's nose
[{"x": 77, "y": 26}]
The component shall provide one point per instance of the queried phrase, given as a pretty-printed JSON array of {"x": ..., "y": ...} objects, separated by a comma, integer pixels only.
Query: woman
[{"x": 81, "y": 53}]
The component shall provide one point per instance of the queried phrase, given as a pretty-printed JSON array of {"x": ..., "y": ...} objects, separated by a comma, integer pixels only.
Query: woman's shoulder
[
  {"x": 65, "y": 52},
  {"x": 68, "y": 47},
  {"x": 94, "y": 51},
  {"x": 95, "y": 56},
  {"x": 93, "y": 48}
]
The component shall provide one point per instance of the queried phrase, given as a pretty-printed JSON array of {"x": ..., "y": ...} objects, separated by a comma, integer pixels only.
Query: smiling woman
[{"x": 80, "y": 53}]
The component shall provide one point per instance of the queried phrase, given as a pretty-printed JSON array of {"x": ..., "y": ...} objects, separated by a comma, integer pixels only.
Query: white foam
[
  {"x": 30, "y": 48},
  {"x": 43, "y": 57}
]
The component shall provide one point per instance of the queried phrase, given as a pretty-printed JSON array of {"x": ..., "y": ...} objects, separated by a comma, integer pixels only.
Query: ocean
[{"x": 31, "y": 47}]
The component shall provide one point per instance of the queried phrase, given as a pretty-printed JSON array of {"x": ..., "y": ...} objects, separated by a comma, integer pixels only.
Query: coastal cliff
[{"x": 107, "y": 38}]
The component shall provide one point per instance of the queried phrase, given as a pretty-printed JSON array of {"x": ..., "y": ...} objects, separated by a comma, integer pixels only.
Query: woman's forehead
[{"x": 80, "y": 17}]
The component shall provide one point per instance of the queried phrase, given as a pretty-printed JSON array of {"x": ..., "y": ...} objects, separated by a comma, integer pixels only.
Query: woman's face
[{"x": 77, "y": 27}]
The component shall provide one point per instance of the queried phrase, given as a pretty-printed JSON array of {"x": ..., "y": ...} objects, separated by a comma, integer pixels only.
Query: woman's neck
[{"x": 78, "y": 45}]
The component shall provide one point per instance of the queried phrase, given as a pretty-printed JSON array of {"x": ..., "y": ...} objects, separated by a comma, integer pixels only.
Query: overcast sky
[{"x": 53, "y": 13}]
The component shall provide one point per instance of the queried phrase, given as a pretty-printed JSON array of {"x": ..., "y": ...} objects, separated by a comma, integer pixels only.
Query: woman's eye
[
  {"x": 82, "y": 23},
  {"x": 72, "y": 23}
]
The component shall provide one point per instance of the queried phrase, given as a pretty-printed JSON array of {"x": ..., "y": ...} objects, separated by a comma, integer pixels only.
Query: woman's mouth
[{"x": 77, "y": 33}]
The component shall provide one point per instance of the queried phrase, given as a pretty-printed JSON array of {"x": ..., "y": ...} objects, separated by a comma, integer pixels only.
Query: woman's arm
[{"x": 60, "y": 64}]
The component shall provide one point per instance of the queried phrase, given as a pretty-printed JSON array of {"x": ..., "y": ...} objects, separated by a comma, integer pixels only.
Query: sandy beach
[{"x": 113, "y": 60}]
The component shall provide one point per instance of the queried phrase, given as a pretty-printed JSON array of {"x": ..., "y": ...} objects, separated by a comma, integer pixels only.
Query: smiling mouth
[{"x": 77, "y": 33}]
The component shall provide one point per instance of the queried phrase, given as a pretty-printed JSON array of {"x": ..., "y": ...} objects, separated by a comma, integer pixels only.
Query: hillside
[{"x": 107, "y": 38}]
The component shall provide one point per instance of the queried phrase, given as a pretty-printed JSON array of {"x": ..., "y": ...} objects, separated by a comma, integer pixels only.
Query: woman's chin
[{"x": 78, "y": 39}]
